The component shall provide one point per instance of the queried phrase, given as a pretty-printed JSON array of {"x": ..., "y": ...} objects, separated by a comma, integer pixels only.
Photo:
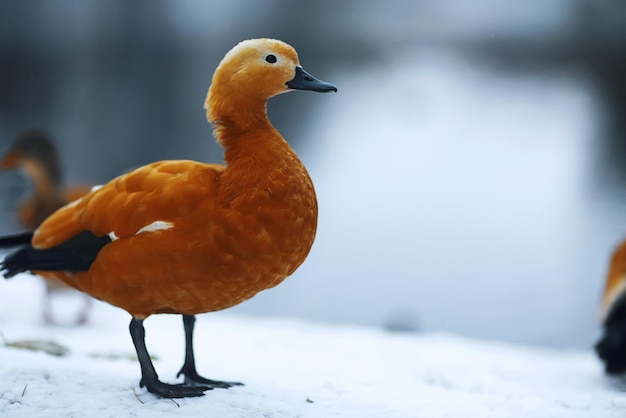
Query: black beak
[{"x": 305, "y": 81}]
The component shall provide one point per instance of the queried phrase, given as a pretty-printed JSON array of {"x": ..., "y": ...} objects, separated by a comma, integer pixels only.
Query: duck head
[
  {"x": 34, "y": 152},
  {"x": 252, "y": 72}
]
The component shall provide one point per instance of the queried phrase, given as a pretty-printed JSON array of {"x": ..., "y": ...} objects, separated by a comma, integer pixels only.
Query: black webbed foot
[
  {"x": 149, "y": 377},
  {"x": 166, "y": 390},
  {"x": 192, "y": 378}
]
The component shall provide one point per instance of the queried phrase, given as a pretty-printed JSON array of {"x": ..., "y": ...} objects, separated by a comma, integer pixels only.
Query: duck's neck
[
  {"x": 46, "y": 188},
  {"x": 227, "y": 104},
  {"x": 242, "y": 128}
]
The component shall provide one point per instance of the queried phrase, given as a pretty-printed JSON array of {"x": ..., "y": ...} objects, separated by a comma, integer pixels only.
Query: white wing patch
[
  {"x": 155, "y": 226},
  {"x": 98, "y": 187}
]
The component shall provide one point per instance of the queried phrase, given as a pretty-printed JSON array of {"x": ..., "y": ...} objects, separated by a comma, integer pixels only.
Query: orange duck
[
  {"x": 35, "y": 154},
  {"x": 184, "y": 237},
  {"x": 612, "y": 346}
]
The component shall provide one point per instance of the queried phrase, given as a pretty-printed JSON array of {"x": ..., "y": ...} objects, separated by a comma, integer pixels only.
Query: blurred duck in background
[
  {"x": 34, "y": 154},
  {"x": 612, "y": 346}
]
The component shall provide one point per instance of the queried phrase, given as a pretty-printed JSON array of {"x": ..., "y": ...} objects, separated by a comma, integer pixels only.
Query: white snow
[{"x": 291, "y": 368}]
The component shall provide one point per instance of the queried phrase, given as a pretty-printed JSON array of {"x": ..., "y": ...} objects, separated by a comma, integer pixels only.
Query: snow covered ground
[{"x": 291, "y": 368}]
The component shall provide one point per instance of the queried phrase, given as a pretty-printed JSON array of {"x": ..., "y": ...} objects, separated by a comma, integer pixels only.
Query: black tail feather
[
  {"x": 29, "y": 259},
  {"x": 612, "y": 346},
  {"x": 74, "y": 255},
  {"x": 16, "y": 240}
]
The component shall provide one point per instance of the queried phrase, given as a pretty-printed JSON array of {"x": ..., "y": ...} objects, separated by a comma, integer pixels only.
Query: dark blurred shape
[
  {"x": 35, "y": 154},
  {"x": 599, "y": 44},
  {"x": 34, "y": 145},
  {"x": 402, "y": 320},
  {"x": 591, "y": 43},
  {"x": 612, "y": 346}
]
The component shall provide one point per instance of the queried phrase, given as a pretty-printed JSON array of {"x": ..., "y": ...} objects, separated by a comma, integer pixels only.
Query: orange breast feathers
[{"x": 189, "y": 237}]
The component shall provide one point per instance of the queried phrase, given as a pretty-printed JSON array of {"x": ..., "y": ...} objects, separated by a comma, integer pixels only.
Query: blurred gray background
[{"x": 470, "y": 171}]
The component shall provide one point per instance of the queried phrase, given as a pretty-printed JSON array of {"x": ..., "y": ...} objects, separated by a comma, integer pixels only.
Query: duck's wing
[{"x": 160, "y": 192}]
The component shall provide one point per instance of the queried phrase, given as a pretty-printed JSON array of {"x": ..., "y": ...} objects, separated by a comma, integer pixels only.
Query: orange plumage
[
  {"x": 615, "y": 285},
  {"x": 612, "y": 346},
  {"x": 235, "y": 229},
  {"x": 227, "y": 241},
  {"x": 187, "y": 237}
]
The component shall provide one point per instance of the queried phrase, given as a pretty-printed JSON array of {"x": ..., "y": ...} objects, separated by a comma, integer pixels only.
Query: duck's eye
[{"x": 271, "y": 58}]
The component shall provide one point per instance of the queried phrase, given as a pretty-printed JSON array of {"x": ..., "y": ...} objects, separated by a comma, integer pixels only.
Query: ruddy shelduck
[
  {"x": 184, "y": 237},
  {"x": 612, "y": 346},
  {"x": 34, "y": 153}
]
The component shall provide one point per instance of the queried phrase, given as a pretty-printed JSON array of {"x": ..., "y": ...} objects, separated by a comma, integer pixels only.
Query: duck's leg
[
  {"x": 149, "y": 377},
  {"x": 189, "y": 367},
  {"x": 83, "y": 314},
  {"x": 48, "y": 317},
  {"x": 48, "y": 310}
]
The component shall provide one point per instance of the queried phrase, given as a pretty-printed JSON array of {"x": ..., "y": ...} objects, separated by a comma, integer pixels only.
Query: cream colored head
[{"x": 252, "y": 72}]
